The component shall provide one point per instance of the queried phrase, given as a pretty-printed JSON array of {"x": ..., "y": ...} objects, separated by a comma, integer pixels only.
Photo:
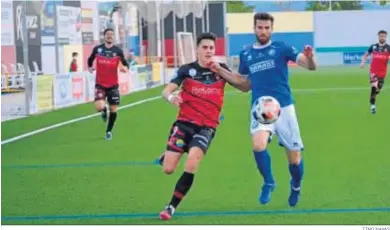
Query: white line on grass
[
  {"x": 13, "y": 139},
  {"x": 73, "y": 121}
]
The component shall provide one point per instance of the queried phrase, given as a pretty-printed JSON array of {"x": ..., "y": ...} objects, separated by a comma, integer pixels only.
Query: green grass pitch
[{"x": 73, "y": 172}]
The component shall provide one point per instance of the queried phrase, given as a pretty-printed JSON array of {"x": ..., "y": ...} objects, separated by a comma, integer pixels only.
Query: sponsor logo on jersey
[
  {"x": 106, "y": 61},
  {"x": 380, "y": 55},
  {"x": 261, "y": 66},
  {"x": 203, "y": 91}
]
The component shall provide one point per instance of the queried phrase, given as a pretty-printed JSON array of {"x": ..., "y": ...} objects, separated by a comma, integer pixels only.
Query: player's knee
[
  {"x": 260, "y": 140},
  {"x": 99, "y": 108},
  {"x": 260, "y": 146},
  {"x": 99, "y": 105},
  {"x": 294, "y": 157},
  {"x": 169, "y": 169},
  {"x": 113, "y": 108}
]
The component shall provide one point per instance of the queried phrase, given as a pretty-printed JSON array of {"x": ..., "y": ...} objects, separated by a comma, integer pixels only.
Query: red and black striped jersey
[
  {"x": 202, "y": 92},
  {"x": 107, "y": 61},
  {"x": 380, "y": 57}
]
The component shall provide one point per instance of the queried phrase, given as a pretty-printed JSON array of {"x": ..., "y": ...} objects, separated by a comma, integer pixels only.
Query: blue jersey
[{"x": 267, "y": 69}]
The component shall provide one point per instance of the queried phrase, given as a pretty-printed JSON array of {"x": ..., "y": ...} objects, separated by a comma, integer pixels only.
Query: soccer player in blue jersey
[{"x": 263, "y": 69}]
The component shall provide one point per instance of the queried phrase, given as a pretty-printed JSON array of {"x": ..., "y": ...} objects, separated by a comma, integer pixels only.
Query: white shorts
[{"x": 286, "y": 128}]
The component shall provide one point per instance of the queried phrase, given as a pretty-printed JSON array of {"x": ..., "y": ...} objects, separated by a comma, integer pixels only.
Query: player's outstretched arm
[
  {"x": 365, "y": 56},
  {"x": 364, "y": 59},
  {"x": 306, "y": 59},
  {"x": 235, "y": 79}
]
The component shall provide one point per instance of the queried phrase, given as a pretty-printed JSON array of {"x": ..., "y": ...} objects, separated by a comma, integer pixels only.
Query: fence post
[{"x": 27, "y": 79}]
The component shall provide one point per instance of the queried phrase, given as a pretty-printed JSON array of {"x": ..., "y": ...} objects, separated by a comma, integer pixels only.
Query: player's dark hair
[
  {"x": 106, "y": 30},
  {"x": 382, "y": 32},
  {"x": 206, "y": 36},
  {"x": 74, "y": 54},
  {"x": 263, "y": 17}
]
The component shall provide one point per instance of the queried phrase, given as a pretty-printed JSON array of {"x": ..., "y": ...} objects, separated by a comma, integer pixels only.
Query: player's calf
[
  {"x": 112, "y": 118},
  {"x": 260, "y": 141},
  {"x": 374, "y": 92},
  {"x": 296, "y": 170},
  {"x": 184, "y": 183}
]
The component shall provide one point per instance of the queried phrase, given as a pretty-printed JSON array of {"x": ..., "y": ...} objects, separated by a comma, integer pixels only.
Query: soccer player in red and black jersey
[
  {"x": 200, "y": 101},
  {"x": 378, "y": 70},
  {"x": 108, "y": 56}
]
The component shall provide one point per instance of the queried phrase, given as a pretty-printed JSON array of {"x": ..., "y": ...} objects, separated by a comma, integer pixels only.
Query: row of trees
[{"x": 323, "y": 5}]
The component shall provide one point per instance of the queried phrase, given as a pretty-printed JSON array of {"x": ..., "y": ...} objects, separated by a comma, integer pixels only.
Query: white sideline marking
[
  {"x": 73, "y": 121},
  {"x": 13, "y": 139},
  {"x": 319, "y": 90}
]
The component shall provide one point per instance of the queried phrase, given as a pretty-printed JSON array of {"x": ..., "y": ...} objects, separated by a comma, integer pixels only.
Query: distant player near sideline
[
  {"x": 107, "y": 57},
  {"x": 263, "y": 69},
  {"x": 200, "y": 102},
  {"x": 378, "y": 70}
]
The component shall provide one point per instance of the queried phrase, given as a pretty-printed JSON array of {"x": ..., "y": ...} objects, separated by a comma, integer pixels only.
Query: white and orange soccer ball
[{"x": 266, "y": 110}]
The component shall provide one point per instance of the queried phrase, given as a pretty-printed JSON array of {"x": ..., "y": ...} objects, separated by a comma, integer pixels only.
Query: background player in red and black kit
[
  {"x": 200, "y": 102},
  {"x": 107, "y": 57},
  {"x": 378, "y": 70}
]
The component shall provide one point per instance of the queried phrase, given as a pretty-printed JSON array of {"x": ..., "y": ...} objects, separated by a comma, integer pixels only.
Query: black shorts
[
  {"x": 112, "y": 94},
  {"x": 380, "y": 80},
  {"x": 185, "y": 135}
]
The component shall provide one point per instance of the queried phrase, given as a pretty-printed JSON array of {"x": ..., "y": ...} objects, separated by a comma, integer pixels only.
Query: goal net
[{"x": 185, "y": 47}]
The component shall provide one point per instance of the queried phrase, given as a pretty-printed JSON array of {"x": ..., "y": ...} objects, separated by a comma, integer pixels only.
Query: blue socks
[
  {"x": 263, "y": 161},
  {"x": 296, "y": 172}
]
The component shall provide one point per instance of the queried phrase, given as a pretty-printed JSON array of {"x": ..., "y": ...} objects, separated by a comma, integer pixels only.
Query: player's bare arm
[
  {"x": 125, "y": 66},
  {"x": 365, "y": 56},
  {"x": 306, "y": 59},
  {"x": 91, "y": 59},
  {"x": 169, "y": 94},
  {"x": 235, "y": 79},
  {"x": 364, "y": 59}
]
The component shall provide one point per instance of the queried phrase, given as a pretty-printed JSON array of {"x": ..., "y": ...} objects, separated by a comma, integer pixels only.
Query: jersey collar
[{"x": 257, "y": 46}]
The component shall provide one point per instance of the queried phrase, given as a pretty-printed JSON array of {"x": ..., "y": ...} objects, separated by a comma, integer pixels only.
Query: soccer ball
[{"x": 266, "y": 110}]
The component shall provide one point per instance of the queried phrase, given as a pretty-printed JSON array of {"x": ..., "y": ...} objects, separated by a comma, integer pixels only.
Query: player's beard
[
  {"x": 264, "y": 41},
  {"x": 382, "y": 41}
]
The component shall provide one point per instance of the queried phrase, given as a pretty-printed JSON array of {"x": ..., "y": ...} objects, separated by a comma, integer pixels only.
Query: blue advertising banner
[
  {"x": 48, "y": 21},
  {"x": 62, "y": 90},
  {"x": 353, "y": 58}
]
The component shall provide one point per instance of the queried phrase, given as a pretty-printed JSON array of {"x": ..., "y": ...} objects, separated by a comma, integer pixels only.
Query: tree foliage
[
  {"x": 238, "y": 7},
  {"x": 336, "y": 5},
  {"x": 383, "y": 3}
]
